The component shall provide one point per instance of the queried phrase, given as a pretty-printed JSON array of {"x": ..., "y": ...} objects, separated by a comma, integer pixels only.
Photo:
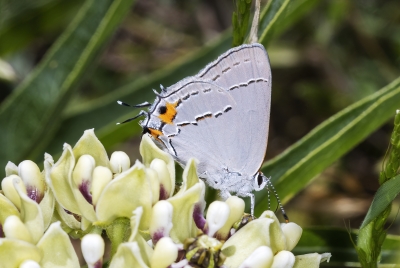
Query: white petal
[
  {"x": 292, "y": 233},
  {"x": 15, "y": 229},
  {"x": 262, "y": 257},
  {"x": 284, "y": 259},
  {"x": 7, "y": 184},
  {"x": 165, "y": 253}
]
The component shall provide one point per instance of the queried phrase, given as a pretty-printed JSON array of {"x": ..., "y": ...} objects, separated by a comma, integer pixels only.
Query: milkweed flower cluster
[{"x": 89, "y": 196}]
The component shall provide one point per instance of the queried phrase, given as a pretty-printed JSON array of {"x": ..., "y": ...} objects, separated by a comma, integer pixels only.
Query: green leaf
[
  {"x": 383, "y": 198},
  {"x": 300, "y": 163},
  {"x": 103, "y": 113},
  {"x": 23, "y": 21},
  {"x": 32, "y": 113},
  {"x": 339, "y": 243},
  {"x": 271, "y": 13}
]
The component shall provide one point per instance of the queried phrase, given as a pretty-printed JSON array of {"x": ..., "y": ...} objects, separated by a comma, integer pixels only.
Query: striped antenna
[{"x": 142, "y": 113}]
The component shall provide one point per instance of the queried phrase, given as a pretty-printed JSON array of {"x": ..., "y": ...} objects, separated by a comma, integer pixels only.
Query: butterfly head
[{"x": 259, "y": 181}]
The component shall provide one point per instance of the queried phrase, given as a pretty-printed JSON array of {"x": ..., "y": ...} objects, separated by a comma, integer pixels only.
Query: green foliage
[
  {"x": 47, "y": 90},
  {"x": 33, "y": 118},
  {"x": 372, "y": 231},
  {"x": 301, "y": 162}
]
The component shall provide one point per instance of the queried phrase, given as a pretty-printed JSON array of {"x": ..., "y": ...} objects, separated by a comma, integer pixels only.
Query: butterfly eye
[{"x": 260, "y": 179}]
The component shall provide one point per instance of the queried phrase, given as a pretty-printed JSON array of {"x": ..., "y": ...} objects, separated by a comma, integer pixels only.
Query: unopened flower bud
[
  {"x": 15, "y": 229},
  {"x": 119, "y": 162},
  {"x": 165, "y": 253},
  {"x": 152, "y": 177},
  {"x": 29, "y": 264},
  {"x": 236, "y": 208},
  {"x": 82, "y": 175},
  {"x": 284, "y": 259},
  {"x": 217, "y": 215},
  {"x": 260, "y": 258},
  {"x": 33, "y": 180},
  {"x": 93, "y": 250},
  {"x": 166, "y": 183},
  {"x": 101, "y": 177},
  {"x": 161, "y": 220},
  {"x": 292, "y": 233}
]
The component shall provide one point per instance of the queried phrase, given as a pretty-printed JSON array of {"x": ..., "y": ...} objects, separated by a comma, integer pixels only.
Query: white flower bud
[
  {"x": 9, "y": 190},
  {"x": 82, "y": 175},
  {"x": 236, "y": 207},
  {"x": 260, "y": 258},
  {"x": 284, "y": 259},
  {"x": 101, "y": 177},
  {"x": 292, "y": 233},
  {"x": 217, "y": 215},
  {"x": 161, "y": 220},
  {"x": 29, "y": 264},
  {"x": 119, "y": 162},
  {"x": 166, "y": 183},
  {"x": 83, "y": 169},
  {"x": 165, "y": 253},
  {"x": 15, "y": 229},
  {"x": 152, "y": 177},
  {"x": 33, "y": 180},
  {"x": 92, "y": 249}
]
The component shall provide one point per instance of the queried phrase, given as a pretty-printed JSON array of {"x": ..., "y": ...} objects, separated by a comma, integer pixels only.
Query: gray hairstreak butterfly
[{"x": 220, "y": 117}]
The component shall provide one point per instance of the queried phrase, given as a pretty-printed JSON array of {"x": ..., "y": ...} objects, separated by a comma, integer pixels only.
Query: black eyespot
[
  {"x": 162, "y": 109},
  {"x": 259, "y": 179}
]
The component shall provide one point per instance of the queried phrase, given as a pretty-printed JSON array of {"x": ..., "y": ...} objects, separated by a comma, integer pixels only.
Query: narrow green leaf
[
  {"x": 383, "y": 198},
  {"x": 30, "y": 116},
  {"x": 23, "y": 21},
  {"x": 300, "y": 163},
  {"x": 274, "y": 10},
  {"x": 339, "y": 243}
]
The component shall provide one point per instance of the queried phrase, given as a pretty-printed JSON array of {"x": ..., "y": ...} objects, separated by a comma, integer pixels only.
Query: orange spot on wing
[
  {"x": 170, "y": 114},
  {"x": 155, "y": 133}
]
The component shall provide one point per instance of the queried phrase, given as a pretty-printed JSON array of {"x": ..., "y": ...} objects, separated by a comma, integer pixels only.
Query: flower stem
[
  {"x": 118, "y": 232},
  {"x": 372, "y": 236}
]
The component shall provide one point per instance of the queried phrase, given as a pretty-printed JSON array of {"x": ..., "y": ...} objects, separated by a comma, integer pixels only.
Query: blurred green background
[{"x": 325, "y": 55}]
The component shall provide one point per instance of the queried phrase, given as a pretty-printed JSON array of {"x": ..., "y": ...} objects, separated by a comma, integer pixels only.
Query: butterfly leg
[{"x": 252, "y": 202}]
